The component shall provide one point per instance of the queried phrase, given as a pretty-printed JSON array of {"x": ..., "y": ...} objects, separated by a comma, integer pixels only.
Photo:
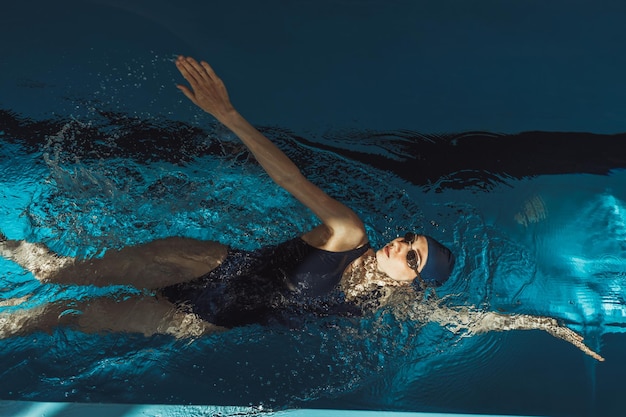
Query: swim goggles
[{"x": 413, "y": 258}]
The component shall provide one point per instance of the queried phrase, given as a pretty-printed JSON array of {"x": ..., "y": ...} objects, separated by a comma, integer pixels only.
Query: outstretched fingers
[
  {"x": 209, "y": 70},
  {"x": 575, "y": 339},
  {"x": 194, "y": 71},
  {"x": 187, "y": 71},
  {"x": 206, "y": 89},
  {"x": 187, "y": 92}
]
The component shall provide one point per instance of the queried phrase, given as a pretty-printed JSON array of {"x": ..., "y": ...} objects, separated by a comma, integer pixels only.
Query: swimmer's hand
[
  {"x": 501, "y": 322},
  {"x": 341, "y": 228},
  {"x": 207, "y": 89},
  {"x": 572, "y": 337},
  {"x": 476, "y": 322}
]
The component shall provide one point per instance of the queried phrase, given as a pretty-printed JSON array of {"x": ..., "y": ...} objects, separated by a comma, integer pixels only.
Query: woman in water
[{"x": 198, "y": 287}]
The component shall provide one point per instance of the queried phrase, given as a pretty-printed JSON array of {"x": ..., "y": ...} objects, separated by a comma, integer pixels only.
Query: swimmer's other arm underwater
[{"x": 181, "y": 272}]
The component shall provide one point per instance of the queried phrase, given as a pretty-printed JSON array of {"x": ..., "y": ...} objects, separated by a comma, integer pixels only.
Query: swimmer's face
[{"x": 392, "y": 259}]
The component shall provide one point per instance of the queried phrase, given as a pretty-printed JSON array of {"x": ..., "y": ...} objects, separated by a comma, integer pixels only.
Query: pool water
[
  {"x": 98, "y": 152},
  {"x": 540, "y": 244}
]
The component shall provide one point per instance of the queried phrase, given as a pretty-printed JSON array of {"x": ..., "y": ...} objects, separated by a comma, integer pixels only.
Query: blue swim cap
[{"x": 439, "y": 264}]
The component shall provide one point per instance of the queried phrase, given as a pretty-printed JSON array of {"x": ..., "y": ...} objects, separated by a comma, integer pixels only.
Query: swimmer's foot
[
  {"x": 33, "y": 257},
  {"x": 3, "y": 240},
  {"x": 23, "y": 321},
  {"x": 12, "y": 302}
]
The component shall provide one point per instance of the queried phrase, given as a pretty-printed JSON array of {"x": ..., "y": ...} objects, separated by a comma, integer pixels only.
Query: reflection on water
[
  {"x": 534, "y": 211},
  {"x": 542, "y": 245}
]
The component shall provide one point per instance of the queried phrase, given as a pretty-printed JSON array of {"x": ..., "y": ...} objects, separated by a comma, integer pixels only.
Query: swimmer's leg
[
  {"x": 24, "y": 321},
  {"x": 144, "y": 315},
  {"x": 151, "y": 265},
  {"x": 476, "y": 322},
  {"x": 34, "y": 257}
]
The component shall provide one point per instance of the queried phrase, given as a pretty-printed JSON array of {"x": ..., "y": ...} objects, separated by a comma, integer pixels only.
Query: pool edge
[{"x": 68, "y": 409}]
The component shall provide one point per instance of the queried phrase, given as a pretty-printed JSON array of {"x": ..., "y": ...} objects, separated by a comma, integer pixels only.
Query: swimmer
[{"x": 198, "y": 287}]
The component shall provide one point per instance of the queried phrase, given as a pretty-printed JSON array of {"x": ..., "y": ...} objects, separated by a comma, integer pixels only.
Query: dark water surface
[
  {"x": 98, "y": 150},
  {"x": 533, "y": 234}
]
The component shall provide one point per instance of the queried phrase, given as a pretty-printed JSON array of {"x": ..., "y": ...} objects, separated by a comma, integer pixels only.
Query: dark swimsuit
[{"x": 274, "y": 284}]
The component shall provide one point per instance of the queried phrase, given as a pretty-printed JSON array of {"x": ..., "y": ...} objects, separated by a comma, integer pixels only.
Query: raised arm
[{"x": 341, "y": 228}]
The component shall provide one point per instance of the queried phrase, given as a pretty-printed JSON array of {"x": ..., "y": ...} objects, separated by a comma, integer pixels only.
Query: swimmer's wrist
[{"x": 229, "y": 116}]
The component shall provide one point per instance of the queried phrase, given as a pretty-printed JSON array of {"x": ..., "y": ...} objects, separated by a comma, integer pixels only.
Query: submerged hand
[{"x": 207, "y": 89}]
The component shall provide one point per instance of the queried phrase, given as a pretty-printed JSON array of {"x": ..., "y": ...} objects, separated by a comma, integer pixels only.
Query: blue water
[
  {"x": 98, "y": 151},
  {"x": 546, "y": 245}
]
